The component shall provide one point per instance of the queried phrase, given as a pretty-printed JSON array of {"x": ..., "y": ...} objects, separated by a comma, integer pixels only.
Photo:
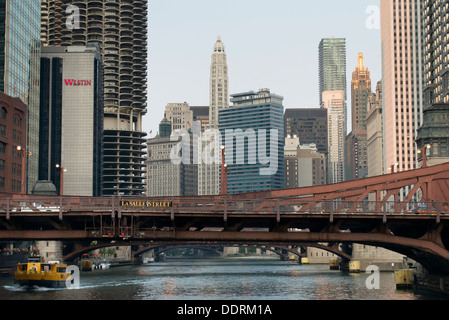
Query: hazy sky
[{"x": 269, "y": 44}]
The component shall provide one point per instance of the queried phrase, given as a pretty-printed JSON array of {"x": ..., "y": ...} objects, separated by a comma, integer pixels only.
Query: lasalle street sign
[{"x": 146, "y": 204}]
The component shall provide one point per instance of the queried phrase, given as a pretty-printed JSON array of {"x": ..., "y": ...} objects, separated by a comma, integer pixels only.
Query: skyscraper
[
  {"x": 374, "y": 133},
  {"x": 309, "y": 124},
  {"x": 219, "y": 83},
  {"x": 253, "y": 134},
  {"x": 403, "y": 80},
  {"x": 436, "y": 44},
  {"x": 304, "y": 165},
  {"x": 360, "y": 90},
  {"x": 209, "y": 174},
  {"x": 434, "y": 131},
  {"x": 332, "y": 69},
  {"x": 20, "y": 66},
  {"x": 356, "y": 164},
  {"x": 71, "y": 119},
  {"x": 333, "y": 101},
  {"x": 120, "y": 29},
  {"x": 179, "y": 115}
]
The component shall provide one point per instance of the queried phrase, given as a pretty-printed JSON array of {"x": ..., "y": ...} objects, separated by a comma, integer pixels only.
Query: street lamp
[
  {"x": 423, "y": 150},
  {"x": 24, "y": 158},
  {"x": 61, "y": 179},
  {"x": 224, "y": 172}
]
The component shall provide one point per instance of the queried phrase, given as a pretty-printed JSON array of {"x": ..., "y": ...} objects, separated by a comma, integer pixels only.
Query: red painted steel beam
[
  {"x": 44, "y": 235},
  {"x": 333, "y": 191}
]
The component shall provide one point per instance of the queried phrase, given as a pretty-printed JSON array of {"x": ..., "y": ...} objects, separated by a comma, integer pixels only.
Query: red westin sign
[{"x": 73, "y": 82}]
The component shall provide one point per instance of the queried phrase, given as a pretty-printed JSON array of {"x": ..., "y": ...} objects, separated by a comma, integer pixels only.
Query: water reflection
[
  {"x": 169, "y": 288},
  {"x": 219, "y": 280}
]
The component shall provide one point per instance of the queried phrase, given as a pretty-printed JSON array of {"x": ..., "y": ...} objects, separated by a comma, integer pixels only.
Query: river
[{"x": 220, "y": 279}]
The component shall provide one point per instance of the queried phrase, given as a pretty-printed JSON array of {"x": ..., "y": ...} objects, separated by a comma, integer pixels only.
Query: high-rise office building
[
  {"x": 180, "y": 116},
  {"x": 182, "y": 178},
  {"x": 403, "y": 80},
  {"x": 360, "y": 90},
  {"x": 436, "y": 50},
  {"x": 20, "y": 67},
  {"x": 304, "y": 165},
  {"x": 309, "y": 124},
  {"x": 71, "y": 119},
  {"x": 332, "y": 69},
  {"x": 356, "y": 164},
  {"x": 433, "y": 130},
  {"x": 201, "y": 113},
  {"x": 374, "y": 133},
  {"x": 209, "y": 173},
  {"x": 164, "y": 177},
  {"x": 219, "y": 83},
  {"x": 253, "y": 135},
  {"x": 120, "y": 29},
  {"x": 334, "y": 102}
]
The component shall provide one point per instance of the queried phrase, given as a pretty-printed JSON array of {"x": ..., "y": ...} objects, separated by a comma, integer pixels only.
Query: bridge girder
[{"x": 338, "y": 213}]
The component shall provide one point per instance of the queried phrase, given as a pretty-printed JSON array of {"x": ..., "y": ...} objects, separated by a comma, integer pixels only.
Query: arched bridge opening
[{"x": 141, "y": 247}]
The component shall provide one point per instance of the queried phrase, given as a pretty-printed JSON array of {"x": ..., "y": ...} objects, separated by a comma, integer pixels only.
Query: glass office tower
[
  {"x": 20, "y": 67},
  {"x": 253, "y": 134},
  {"x": 332, "y": 69}
]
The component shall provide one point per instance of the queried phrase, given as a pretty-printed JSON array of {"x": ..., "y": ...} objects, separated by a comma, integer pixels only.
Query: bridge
[{"x": 379, "y": 211}]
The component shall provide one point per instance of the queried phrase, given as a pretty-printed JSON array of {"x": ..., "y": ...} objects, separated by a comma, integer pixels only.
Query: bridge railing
[
  {"x": 54, "y": 205},
  {"x": 210, "y": 205}
]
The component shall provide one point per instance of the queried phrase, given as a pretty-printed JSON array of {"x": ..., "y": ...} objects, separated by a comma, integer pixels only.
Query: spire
[
  {"x": 360, "y": 65},
  {"x": 218, "y": 82},
  {"x": 219, "y": 46}
]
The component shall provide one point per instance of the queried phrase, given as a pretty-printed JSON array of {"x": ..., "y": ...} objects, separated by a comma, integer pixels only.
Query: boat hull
[{"x": 42, "y": 283}]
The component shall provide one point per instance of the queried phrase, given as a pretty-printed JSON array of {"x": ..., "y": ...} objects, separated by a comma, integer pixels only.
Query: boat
[
  {"x": 35, "y": 272},
  {"x": 147, "y": 260},
  {"x": 86, "y": 263},
  {"x": 104, "y": 264}
]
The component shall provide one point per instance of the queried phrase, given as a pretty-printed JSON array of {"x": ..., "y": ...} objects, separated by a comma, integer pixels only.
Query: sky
[{"x": 269, "y": 44}]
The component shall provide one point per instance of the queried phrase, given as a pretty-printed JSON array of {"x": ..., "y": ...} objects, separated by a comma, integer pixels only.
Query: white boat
[
  {"x": 147, "y": 260},
  {"x": 104, "y": 264}
]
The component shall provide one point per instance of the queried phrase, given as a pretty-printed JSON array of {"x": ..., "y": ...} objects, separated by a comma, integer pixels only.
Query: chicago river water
[{"x": 220, "y": 279}]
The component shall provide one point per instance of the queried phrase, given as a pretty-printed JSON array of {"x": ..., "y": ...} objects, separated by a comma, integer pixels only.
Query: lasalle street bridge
[{"x": 406, "y": 212}]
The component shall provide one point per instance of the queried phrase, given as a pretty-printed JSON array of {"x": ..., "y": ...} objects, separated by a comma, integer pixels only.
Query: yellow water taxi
[{"x": 38, "y": 273}]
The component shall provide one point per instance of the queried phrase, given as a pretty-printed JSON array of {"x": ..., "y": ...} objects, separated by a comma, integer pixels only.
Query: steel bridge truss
[{"x": 378, "y": 211}]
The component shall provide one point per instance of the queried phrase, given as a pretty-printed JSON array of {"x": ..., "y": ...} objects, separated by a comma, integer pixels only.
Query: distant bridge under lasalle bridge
[{"x": 366, "y": 211}]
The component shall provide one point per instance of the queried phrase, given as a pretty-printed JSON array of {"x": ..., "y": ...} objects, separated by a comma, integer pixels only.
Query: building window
[
  {"x": 3, "y": 113},
  {"x": 443, "y": 148}
]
